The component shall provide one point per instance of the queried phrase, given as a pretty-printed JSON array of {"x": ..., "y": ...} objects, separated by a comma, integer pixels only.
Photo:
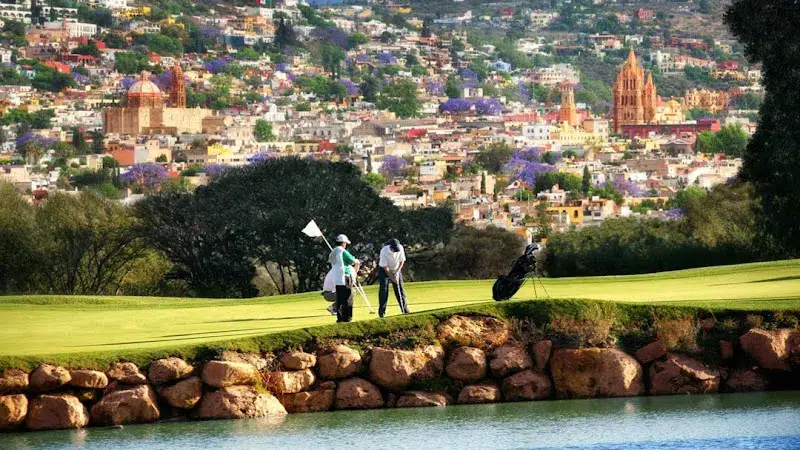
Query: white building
[
  {"x": 542, "y": 19},
  {"x": 557, "y": 74},
  {"x": 113, "y": 4}
]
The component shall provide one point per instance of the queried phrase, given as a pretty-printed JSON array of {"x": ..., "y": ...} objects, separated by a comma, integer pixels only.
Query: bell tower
[{"x": 177, "y": 89}]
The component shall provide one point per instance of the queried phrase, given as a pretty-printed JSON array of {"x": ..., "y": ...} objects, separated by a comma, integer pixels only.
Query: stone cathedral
[
  {"x": 634, "y": 99},
  {"x": 148, "y": 111}
]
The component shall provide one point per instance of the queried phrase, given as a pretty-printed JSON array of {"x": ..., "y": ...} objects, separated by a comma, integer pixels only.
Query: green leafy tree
[
  {"x": 731, "y": 140},
  {"x": 332, "y": 57},
  {"x": 216, "y": 238},
  {"x": 586, "y": 182},
  {"x": 494, "y": 156},
  {"x": 369, "y": 88},
  {"x": 375, "y": 180},
  {"x": 130, "y": 62},
  {"x": 399, "y": 97},
  {"x": 452, "y": 89},
  {"x": 705, "y": 142},
  {"x": 20, "y": 250},
  {"x": 285, "y": 36},
  {"x": 357, "y": 39},
  {"x": 263, "y": 131}
]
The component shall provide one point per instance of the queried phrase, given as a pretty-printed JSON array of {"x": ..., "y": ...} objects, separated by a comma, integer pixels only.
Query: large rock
[
  {"x": 225, "y": 373},
  {"x": 357, "y": 393},
  {"x": 595, "y": 372},
  {"x": 86, "y": 395},
  {"x": 726, "y": 350},
  {"x": 541, "y": 353},
  {"x": 396, "y": 369},
  {"x": 254, "y": 359},
  {"x": 168, "y": 370},
  {"x": 298, "y": 360},
  {"x": 651, "y": 352},
  {"x": 467, "y": 364},
  {"x": 475, "y": 331},
  {"x": 239, "y": 402},
  {"x": 291, "y": 382},
  {"x": 508, "y": 359},
  {"x": 338, "y": 362},
  {"x": 13, "y": 409},
  {"x": 417, "y": 399},
  {"x": 13, "y": 381},
  {"x": 126, "y": 373},
  {"x": 746, "y": 380},
  {"x": 526, "y": 385},
  {"x": 137, "y": 404},
  {"x": 48, "y": 378},
  {"x": 771, "y": 349},
  {"x": 310, "y": 401},
  {"x": 479, "y": 393},
  {"x": 184, "y": 394},
  {"x": 55, "y": 412},
  {"x": 88, "y": 379},
  {"x": 680, "y": 374}
]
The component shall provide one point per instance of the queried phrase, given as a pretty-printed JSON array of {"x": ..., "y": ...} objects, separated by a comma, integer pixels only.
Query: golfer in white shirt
[{"x": 391, "y": 265}]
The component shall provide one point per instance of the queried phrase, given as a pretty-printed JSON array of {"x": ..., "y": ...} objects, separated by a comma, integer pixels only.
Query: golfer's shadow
[{"x": 266, "y": 319}]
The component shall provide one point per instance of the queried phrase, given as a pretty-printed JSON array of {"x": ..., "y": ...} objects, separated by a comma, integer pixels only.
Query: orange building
[
  {"x": 634, "y": 99},
  {"x": 568, "y": 112}
]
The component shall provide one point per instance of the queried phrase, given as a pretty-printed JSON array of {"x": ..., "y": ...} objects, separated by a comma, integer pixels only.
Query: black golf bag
[{"x": 507, "y": 285}]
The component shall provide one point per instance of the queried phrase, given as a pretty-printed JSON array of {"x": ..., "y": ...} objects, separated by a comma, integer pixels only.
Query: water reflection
[{"x": 759, "y": 420}]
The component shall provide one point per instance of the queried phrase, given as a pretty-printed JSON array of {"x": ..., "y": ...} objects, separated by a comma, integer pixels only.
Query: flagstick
[{"x": 358, "y": 287}]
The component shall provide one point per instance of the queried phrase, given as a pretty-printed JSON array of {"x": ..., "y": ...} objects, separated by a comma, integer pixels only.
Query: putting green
[{"x": 41, "y": 325}]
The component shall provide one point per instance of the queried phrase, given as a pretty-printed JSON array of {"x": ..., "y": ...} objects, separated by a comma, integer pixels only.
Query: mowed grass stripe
[{"x": 41, "y": 325}]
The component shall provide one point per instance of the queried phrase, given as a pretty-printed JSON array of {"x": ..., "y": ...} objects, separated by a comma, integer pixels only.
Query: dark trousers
[
  {"x": 383, "y": 292},
  {"x": 344, "y": 302}
]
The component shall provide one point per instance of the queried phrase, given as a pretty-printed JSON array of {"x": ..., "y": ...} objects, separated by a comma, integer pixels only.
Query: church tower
[
  {"x": 568, "y": 112},
  {"x": 177, "y": 89},
  {"x": 634, "y": 99}
]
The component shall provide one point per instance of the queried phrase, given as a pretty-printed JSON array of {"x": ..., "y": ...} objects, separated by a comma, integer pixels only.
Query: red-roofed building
[
  {"x": 644, "y": 14},
  {"x": 61, "y": 67}
]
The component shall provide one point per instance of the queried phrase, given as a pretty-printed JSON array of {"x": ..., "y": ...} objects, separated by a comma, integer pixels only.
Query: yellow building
[
  {"x": 714, "y": 101},
  {"x": 569, "y": 135},
  {"x": 565, "y": 215},
  {"x": 670, "y": 112}
]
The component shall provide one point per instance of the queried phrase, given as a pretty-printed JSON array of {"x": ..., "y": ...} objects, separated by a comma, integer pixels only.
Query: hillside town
[{"x": 518, "y": 118}]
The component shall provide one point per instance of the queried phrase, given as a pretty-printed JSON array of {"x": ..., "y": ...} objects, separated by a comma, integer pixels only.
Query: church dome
[
  {"x": 144, "y": 93},
  {"x": 144, "y": 88}
]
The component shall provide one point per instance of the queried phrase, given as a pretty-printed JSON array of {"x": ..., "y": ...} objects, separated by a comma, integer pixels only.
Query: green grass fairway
[{"x": 42, "y": 325}]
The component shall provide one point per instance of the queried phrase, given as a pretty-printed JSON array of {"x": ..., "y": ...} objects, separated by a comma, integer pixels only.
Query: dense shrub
[
  {"x": 470, "y": 254},
  {"x": 718, "y": 228}
]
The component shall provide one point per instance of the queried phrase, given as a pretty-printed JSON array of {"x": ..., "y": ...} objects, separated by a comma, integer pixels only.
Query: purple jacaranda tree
[
  {"x": 629, "y": 189},
  {"x": 282, "y": 67},
  {"x": 393, "y": 166},
  {"x": 455, "y": 106},
  {"x": 259, "y": 158},
  {"x": 521, "y": 94},
  {"x": 362, "y": 58},
  {"x": 531, "y": 170},
  {"x": 386, "y": 59},
  {"x": 331, "y": 35},
  {"x": 33, "y": 138},
  {"x": 526, "y": 154},
  {"x": 212, "y": 33},
  {"x": 163, "y": 81},
  {"x": 216, "y": 65},
  {"x": 487, "y": 106},
  {"x": 349, "y": 86},
  {"x": 435, "y": 88},
  {"x": 551, "y": 157},
  {"x": 127, "y": 82},
  {"x": 216, "y": 169},
  {"x": 469, "y": 79},
  {"x": 674, "y": 214},
  {"x": 81, "y": 79},
  {"x": 146, "y": 175}
]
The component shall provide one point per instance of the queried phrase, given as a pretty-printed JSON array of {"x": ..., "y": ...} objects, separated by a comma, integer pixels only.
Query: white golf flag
[{"x": 312, "y": 230}]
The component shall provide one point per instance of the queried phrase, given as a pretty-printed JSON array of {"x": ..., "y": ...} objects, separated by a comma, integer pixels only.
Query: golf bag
[{"x": 507, "y": 285}]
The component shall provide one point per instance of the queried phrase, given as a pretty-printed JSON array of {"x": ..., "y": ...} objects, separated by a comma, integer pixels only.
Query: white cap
[{"x": 342, "y": 238}]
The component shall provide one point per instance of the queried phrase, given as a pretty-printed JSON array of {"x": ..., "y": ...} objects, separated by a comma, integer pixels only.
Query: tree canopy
[{"x": 217, "y": 236}]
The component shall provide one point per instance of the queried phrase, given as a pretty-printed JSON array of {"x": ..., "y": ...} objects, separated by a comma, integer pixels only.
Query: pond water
[{"x": 752, "y": 421}]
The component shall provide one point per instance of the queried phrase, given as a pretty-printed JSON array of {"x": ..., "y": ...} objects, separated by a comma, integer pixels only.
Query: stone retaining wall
[{"x": 475, "y": 360}]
